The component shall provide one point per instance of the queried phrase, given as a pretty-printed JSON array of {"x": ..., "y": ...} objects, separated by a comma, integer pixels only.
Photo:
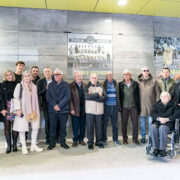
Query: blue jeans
[
  {"x": 110, "y": 112},
  {"x": 143, "y": 125}
]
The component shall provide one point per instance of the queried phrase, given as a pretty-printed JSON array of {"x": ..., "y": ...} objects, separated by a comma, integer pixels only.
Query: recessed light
[{"x": 122, "y": 2}]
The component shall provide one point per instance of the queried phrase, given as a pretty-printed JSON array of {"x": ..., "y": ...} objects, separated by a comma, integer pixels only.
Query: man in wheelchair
[{"x": 164, "y": 114}]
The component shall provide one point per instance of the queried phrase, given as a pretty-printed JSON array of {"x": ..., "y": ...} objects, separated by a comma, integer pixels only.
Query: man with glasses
[
  {"x": 129, "y": 101},
  {"x": 149, "y": 94},
  {"x": 58, "y": 97},
  {"x": 111, "y": 108}
]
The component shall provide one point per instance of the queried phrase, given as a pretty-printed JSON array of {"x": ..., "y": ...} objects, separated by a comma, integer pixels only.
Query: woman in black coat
[
  {"x": 6, "y": 94},
  {"x": 164, "y": 114}
]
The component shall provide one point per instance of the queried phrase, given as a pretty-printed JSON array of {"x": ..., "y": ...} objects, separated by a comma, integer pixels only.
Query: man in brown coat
[
  {"x": 149, "y": 94},
  {"x": 77, "y": 109}
]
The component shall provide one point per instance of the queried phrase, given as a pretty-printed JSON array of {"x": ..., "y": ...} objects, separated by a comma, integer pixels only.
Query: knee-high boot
[{"x": 23, "y": 142}]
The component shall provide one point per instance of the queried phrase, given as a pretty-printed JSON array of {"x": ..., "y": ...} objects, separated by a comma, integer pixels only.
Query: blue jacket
[{"x": 60, "y": 95}]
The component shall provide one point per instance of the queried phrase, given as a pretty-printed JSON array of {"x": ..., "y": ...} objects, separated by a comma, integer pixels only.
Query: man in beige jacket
[{"x": 94, "y": 105}]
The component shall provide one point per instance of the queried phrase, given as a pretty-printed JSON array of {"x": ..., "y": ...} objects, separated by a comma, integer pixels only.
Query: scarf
[{"x": 31, "y": 102}]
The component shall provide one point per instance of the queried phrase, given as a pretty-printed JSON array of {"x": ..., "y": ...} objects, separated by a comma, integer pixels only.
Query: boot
[
  {"x": 23, "y": 142},
  {"x": 8, "y": 139},
  {"x": 14, "y": 136},
  {"x": 34, "y": 147}
]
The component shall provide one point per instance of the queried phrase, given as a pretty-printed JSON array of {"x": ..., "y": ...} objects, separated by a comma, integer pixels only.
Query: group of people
[{"x": 23, "y": 95}]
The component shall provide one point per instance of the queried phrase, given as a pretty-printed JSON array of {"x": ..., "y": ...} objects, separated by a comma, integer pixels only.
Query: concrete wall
[{"x": 39, "y": 37}]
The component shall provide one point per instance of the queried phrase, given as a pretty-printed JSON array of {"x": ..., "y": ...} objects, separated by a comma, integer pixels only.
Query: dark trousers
[
  {"x": 134, "y": 120},
  {"x": 78, "y": 127},
  {"x": 56, "y": 118},
  {"x": 110, "y": 112},
  {"x": 47, "y": 123},
  {"x": 159, "y": 136},
  {"x": 91, "y": 121}
]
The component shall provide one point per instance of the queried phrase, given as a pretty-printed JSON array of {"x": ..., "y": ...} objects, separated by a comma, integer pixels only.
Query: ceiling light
[{"x": 122, "y": 2}]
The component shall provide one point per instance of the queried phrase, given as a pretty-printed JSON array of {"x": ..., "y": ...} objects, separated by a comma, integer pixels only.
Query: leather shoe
[
  {"x": 74, "y": 144},
  {"x": 125, "y": 141},
  {"x": 100, "y": 145},
  {"x": 155, "y": 152},
  {"x": 162, "y": 153},
  {"x": 82, "y": 143},
  {"x": 50, "y": 147},
  {"x": 136, "y": 142},
  {"x": 65, "y": 146},
  {"x": 90, "y": 147}
]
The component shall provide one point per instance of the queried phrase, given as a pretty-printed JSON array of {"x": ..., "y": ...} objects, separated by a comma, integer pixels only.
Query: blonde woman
[
  {"x": 6, "y": 94},
  {"x": 27, "y": 111}
]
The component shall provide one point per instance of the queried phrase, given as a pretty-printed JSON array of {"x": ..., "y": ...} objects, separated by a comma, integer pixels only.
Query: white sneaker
[
  {"x": 35, "y": 148},
  {"x": 24, "y": 150}
]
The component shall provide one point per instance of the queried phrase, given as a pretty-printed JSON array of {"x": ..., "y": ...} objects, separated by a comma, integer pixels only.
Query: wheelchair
[{"x": 172, "y": 144}]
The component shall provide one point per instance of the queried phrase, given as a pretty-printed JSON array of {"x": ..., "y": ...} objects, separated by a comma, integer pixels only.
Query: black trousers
[
  {"x": 94, "y": 121},
  {"x": 55, "y": 119}
]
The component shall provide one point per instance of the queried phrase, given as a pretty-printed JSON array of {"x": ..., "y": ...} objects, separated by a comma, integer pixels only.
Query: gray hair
[
  {"x": 144, "y": 67},
  {"x": 164, "y": 93},
  {"x": 127, "y": 71},
  {"x": 58, "y": 70},
  {"x": 75, "y": 72}
]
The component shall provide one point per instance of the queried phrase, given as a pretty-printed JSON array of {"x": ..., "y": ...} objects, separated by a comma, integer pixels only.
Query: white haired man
[{"x": 58, "y": 97}]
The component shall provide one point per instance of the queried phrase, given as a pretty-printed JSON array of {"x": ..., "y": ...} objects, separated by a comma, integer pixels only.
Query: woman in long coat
[{"x": 27, "y": 112}]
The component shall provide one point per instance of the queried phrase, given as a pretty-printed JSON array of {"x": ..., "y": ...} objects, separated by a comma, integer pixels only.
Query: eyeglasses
[
  {"x": 57, "y": 74},
  {"x": 146, "y": 70}
]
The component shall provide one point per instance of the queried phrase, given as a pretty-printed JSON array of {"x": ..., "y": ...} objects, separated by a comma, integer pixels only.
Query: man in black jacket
[
  {"x": 130, "y": 104},
  {"x": 42, "y": 87},
  {"x": 164, "y": 114},
  {"x": 58, "y": 96}
]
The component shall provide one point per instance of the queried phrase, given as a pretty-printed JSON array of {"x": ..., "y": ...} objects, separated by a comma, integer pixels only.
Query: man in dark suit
[
  {"x": 42, "y": 86},
  {"x": 58, "y": 96}
]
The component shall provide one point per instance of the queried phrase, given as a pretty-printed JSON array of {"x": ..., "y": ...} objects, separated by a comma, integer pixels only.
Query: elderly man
[
  {"x": 94, "y": 102},
  {"x": 58, "y": 97},
  {"x": 42, "y": 87},
  {"x": 129, "y": 100},
  {"x": 111, "y": 108},
  {"x": 164, "y": 114},
  {"x": 35, "y": 74},
  {"x": 166, "y": 83},
  {"x": 149, "y": 94},
  {"x": 77, "y": 109}
]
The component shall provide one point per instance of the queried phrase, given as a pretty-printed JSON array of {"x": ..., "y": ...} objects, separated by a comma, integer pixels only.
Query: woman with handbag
[
  {"x": 27, "y": 112},
  {"x": 6, "y": 94}
]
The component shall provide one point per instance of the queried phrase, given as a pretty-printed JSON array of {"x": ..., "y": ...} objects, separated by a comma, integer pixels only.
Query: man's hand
[
  {"x": 3, "y": 112},
  {"x": 163, "y": 120},
  {"x": 100, "y": 94},
  {"x": 56, "y": 108},
  {"x": 72, "y": 112}
]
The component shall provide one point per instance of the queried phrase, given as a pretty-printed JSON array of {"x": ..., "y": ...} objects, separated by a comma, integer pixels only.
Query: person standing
[
  {"x": 130, "y": 104},
  {"x": 111, "y": 108},
  {"x": 149, "y": 94},
  {"x": 27, "y": 112},
  {"x": 19, "y": 69},
  {"x": 94, "y": 105},
  {"x": 6, "y": 95},
  {"x": 42, "y": 87},
  {"x": 35, "y": 74},
  {"x": 166, "y": 82},
  {"x": 58, "y": 96},
  {"x": 77, "y": 109}
]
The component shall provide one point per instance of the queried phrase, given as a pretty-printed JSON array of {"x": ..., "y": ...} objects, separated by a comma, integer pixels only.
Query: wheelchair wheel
[{"x": 171, "y": 154}]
